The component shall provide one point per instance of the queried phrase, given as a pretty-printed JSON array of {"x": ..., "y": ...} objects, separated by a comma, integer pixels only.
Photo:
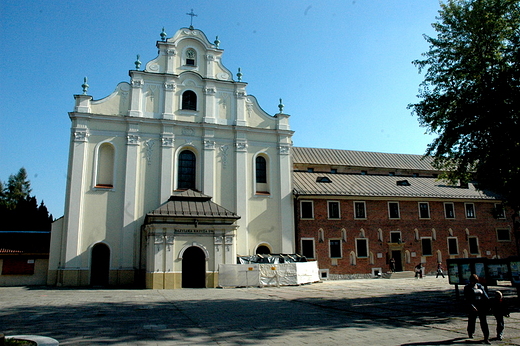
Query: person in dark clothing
[
  {"x": 439, "y": 270},
  {"x": 418, "y": 271},
  {"x": 478, "y": 306},
  {"x": 392, "y": 265},
  {"x": 499, "y": 310}
]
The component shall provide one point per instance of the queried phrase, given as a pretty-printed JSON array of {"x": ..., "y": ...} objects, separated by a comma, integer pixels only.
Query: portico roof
[{"x": 191, "y": 204}]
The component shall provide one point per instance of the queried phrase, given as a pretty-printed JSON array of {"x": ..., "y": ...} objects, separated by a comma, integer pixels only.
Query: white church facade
[{"x": 174, "y": 173}]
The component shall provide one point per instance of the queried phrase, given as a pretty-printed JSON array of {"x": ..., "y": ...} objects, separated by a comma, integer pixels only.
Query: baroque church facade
[
  {"x": 180, "y": 170},
  {"x": 174, "y": 173}
]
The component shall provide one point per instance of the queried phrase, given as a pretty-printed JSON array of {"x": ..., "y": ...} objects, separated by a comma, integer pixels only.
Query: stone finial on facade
[
  {"x": 217, "y": 42},
  {"x": 280, "y": 106},
  {"x": 137, "y": 63},
  {"x": 239, "y": 75},
  {"x": 163, "y": 35},
  {"x": 85, "y": 86}
]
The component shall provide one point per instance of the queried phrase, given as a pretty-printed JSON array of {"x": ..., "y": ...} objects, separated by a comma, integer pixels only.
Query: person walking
[
  {"x": 478, "y": 306},
  {"x": 499, "y": 310},
  {"x": 439, "y": 270}
]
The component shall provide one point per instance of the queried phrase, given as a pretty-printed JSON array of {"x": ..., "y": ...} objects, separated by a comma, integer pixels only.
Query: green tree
[
  {"x": 18, "y": 188},
  {"x": 470, "y": 95},
  {"x": 19, "y": 211}
]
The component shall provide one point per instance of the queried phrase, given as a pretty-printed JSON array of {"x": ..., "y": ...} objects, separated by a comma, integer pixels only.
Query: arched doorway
[
  {"x": 263, "y": 250},
  {"x": 100, "y": 265},
  {"x": 193, "y": 268}
]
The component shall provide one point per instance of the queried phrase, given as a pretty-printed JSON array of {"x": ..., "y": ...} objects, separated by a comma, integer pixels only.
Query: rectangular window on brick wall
[
  {"x": 500, "y": 213},
  {"x": 307, "y": 247},
  {"x": 449, "y": 210},
  {"x": 470, "y": 210},
  {"x": 424, "y": 210},
  {"x": 335, "y": 248},
  {"x": 333, "y": 209},
  {"x": 395, "y": 237},
  {"x": 473, "y": 245},
  {"x": 362, "y": 247},
  {"x": 426, "y": 244},
  {"x": 307, "y": 209},
  {"x": 393, "y": 210},
  {"x": 503, "y": 234},
  {"x": 453, "y": 247},
  {"x": 360, "y": 210}
]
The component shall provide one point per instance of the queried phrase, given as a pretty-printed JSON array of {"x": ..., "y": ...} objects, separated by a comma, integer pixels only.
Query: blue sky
[{"x": 342, "y": 68}]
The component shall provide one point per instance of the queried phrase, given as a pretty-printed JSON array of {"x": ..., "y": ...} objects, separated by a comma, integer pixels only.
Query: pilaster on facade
[
  {"x": 241, "y": 196},
  {"x": 240, "y": 99},
  {"x": 210, "y": 92},
  {"x": 167, "y": 162},
  {"x": 127, "y": 243},
  {"x": 169, "y": 98},
  {"x": 209, "y": 155},
  {"x": 136, "y": 95},
  {"x": 210, "y": 65}
]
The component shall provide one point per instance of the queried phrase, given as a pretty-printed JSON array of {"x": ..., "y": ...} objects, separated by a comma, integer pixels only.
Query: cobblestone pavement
[{"x": 350, "y": 312}]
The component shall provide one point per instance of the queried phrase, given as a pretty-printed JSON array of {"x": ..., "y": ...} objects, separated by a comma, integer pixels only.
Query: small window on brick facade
[
  {"x": 335, "y": 248},
  {"x": 393, "y": 210},
  {"x": 449, "y": 210},
  {"x": 473, "y": 245},
  {"x": 453, "y": 247},
  {"x": 307, "y": 210},
  {"x": 424, "y": 210},
  {"x": 333, "y": 209},
  {"x": 360, "y": 210},
  {"x": 503, "y": 234},
  {"x": 470, "y": 210},
  {"x": 362, "y": 247},
  {"x": 426, "y": 244},
  {"x": 308, "y": 247}
]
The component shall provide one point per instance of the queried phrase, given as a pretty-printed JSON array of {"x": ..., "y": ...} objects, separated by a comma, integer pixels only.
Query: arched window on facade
[
  {"x": 105, "y": 166},
  {"x": 261, "y": 175},
  {"x": 191, "y": 57},
  {"x": 187, "y": 170},
  {"x": 189, "y": 100}
]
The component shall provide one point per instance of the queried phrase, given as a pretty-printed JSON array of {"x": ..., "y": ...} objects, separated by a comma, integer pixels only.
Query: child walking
[{"x": 499, "y": 309}]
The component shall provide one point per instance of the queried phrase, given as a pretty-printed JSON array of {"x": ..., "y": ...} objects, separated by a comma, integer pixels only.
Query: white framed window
[
  {"x": 335, "y": 248},
  {"x": 424, "y": 210},
  {"x": 393, "y": 210},
  {"x": 307, "y": 248},
  {"x": 426, "y": 244},
  {"x": 362, "y": 247},
  {"x": 453, "y": 246},
  {"x": 262, "y": 174},
  {"x": 503, "y": 234},
  {"x": 500, "y": 213},
  {"x": 333, "y": 210},
  {"x": 360, "y": 211},
  {"x": 307, "y": 209},
  {"x": 470, "y": 210},
  {"x": 104, "y": 166},
  {"x": 449, "y": 210},
  {"x": 473, "y": 246},
  {"x": 395, "y": 237}
]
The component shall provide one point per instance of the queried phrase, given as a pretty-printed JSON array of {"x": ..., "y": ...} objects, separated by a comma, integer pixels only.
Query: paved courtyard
[{"x": 351, "y": 312}]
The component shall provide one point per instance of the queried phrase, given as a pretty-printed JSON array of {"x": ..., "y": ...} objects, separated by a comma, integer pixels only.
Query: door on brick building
[
  {"x": 193, "y": 268},
  {"x": 396, "y": 254}
]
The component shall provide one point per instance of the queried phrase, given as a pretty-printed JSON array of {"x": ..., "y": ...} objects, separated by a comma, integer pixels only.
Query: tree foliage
[
  {"x": 470, "y": 95},
  {"x": 19, "y": 211}
]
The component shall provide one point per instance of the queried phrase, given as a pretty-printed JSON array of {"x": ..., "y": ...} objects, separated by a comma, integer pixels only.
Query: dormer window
[
  {"x": 323, "y": 180},
  {"x": 191, "y": 57}
]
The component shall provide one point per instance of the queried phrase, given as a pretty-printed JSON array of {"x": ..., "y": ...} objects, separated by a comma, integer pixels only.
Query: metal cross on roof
[{"x": 192, "y": 14}]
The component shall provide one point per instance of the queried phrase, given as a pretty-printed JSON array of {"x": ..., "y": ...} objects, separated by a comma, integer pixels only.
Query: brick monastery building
[{"x": 357, "y": 210}]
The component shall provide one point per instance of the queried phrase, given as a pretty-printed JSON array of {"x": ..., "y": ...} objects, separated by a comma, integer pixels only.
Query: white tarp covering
[{"x": 267, "y": 274}]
